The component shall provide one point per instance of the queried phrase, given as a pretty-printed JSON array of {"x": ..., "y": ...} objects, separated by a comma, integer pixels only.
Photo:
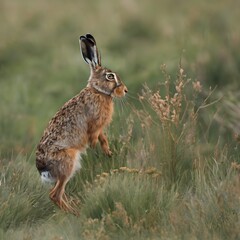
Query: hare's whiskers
[{"x": 129, "y": 95}]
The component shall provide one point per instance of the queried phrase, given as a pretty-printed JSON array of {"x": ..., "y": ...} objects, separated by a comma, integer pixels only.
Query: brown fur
[{"x": 78, "y": 124}]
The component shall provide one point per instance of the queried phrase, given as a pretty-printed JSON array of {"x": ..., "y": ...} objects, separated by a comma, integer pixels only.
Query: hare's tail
[
  {"x": 46, "y": 177},
  {"x": 45, "y": 171}
]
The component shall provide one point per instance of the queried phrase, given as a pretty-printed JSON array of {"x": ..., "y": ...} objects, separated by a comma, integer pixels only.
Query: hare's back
[{"x": 67, "y": 126}]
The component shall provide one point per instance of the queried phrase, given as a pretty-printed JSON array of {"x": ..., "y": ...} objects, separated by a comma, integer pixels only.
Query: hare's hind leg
[
  {"x": 58, "y": 196},
  {"x": 65, "y": 169}
]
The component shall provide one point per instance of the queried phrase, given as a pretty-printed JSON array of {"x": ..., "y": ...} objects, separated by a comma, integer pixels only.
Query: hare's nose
[{"x": 125, "y": 90}]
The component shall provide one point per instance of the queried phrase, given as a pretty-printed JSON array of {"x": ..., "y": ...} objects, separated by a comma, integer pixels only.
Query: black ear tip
[
  {"x": 82, "y": 37},
  {"x": 88, "y": 35}
]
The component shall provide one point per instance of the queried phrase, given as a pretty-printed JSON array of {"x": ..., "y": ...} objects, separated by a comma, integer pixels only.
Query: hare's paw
[{"x": 108, "y": 152}]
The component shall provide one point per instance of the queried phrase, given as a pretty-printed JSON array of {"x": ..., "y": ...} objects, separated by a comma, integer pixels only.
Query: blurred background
[{"x": 41, "y": 66}]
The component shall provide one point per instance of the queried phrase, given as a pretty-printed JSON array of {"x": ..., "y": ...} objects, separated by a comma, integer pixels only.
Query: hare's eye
[{"x": 110, "y": 76}]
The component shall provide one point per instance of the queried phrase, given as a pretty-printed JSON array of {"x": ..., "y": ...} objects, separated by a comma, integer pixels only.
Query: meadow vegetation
[{"x": 174, "y": 173}]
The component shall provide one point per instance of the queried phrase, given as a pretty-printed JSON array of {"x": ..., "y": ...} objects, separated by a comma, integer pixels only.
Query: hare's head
[{"x": 101, "y": 79}]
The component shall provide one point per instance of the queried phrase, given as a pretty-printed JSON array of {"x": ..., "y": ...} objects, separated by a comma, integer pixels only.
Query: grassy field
[{"x": 174, "y": 173}]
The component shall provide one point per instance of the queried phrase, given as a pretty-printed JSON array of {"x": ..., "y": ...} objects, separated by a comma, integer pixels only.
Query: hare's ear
[
  {"x": 85, "y": 49},
  {"x": 97, "y": 57},
  {"x": 89, "y": 50}
]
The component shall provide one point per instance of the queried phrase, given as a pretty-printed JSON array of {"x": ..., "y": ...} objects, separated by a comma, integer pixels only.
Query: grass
[{"x": 175, "y": 168}]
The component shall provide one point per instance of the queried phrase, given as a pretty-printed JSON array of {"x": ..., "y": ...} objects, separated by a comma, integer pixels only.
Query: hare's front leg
[{"x": 104, "y": 144}]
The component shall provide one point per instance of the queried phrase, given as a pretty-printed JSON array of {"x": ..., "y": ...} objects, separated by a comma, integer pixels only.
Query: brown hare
[{"x": 77, "y": 125}]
